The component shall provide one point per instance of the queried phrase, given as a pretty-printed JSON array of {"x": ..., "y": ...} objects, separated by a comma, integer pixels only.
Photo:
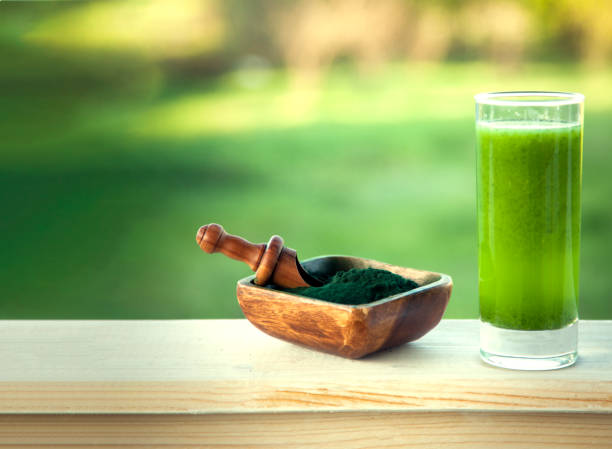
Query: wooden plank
[
  {"x": 227, "y": 366},
  {"x": 451, "y": 430}
]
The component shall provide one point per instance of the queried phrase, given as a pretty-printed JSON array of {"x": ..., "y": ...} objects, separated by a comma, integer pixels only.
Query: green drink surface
[{"x": 529, "y": 183}]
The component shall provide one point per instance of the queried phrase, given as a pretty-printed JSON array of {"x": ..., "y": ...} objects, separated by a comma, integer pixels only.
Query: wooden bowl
[{"x": 351, "y": 331}]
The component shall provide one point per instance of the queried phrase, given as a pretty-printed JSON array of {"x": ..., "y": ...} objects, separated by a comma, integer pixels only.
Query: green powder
[{"x": 358, "y": 286}]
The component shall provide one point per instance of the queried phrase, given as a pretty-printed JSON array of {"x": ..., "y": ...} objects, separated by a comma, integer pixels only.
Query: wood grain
[
  {"x": 228, "y": 366},
  {"x": 223, "y": 384},
  {"x": 347, "y": 330},
  {"x": 451, "y": 430},
  {"x": 272, "y": 262}
]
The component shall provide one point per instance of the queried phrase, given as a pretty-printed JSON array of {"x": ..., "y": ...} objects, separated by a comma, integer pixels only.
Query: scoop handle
[{"x": 261, "y": 258}]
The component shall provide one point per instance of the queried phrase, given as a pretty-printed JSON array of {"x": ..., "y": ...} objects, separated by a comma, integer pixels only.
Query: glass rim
[{"x": 502, "y": 98}]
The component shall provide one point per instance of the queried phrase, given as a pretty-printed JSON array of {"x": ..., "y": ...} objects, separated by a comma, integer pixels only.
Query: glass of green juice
[{"x": 529, "y": 176}]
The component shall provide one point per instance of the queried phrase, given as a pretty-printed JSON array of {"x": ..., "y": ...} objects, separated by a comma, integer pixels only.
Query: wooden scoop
[{"x": 271, "y": 262}]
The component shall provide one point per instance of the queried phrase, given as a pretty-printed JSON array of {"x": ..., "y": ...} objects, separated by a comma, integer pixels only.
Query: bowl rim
[{"x": 443, "y": 280}]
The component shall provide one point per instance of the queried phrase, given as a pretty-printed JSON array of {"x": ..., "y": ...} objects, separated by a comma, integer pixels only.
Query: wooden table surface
[{"x": 222, "y": 383}]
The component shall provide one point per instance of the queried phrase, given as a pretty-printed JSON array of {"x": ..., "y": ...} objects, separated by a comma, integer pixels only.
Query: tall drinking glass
[{"x": 529, "y": 169}]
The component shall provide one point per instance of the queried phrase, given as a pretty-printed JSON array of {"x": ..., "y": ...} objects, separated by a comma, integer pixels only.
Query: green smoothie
[{"x": 529, "y": 182}]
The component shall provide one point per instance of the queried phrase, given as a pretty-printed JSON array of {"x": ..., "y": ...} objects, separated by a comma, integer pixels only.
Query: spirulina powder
[{"x": 358, "y": 286}]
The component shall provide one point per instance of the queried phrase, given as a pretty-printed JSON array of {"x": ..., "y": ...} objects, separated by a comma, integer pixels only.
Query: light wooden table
[{"x": 222, "y": 383}]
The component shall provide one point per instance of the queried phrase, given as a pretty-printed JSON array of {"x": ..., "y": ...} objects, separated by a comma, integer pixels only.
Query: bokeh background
[{"x": 346, "y": 126}]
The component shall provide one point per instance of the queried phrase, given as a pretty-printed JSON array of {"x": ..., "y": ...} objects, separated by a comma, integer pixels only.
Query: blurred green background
[{"x": 344, "y": 126}]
